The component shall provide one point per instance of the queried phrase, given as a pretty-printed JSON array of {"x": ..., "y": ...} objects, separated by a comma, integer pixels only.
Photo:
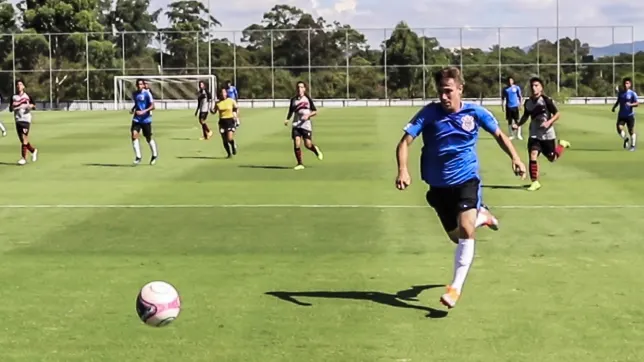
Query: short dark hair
[
  {"x": 449, "y": 73},
  {"x": 508, "y": 78},
  {"x": 536, "y": 79},
  {"x": 20, "y": 81},
  {"x": 140, "y": 80},
  {"x": 627, "y": 79}
]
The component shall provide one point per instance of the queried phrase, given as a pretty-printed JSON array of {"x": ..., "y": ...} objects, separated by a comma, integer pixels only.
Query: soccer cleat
[
  {"x": 235, "y": 149},
  {"x": 491, "y": 221},
  {"x": 153, "y": 160},
  {"x": 534, "y": 186},
  {"x": 520, "y": 137},
  {"x": 320, "y": 154},
  {"x": 564, "y": 143},
  {"x": 626, "y": 140},
  {"x": 209, "y": 135},
  {"x": 22, "y": 161},
  {"x": 450, "y": 298},
  {"x": 299, "y": 167},
  {"x": 137, "y": 160},
  {"x": 632, "y": 149},
  {"x": 34, "y": 156},
  {"x": 4, "y": 133}
]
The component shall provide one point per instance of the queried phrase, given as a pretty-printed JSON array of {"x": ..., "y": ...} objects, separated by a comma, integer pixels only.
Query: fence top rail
[{"x": 422, "y": 28}]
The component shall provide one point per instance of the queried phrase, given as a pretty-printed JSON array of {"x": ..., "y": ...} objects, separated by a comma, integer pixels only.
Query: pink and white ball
[{"x": 158, "y": 304}]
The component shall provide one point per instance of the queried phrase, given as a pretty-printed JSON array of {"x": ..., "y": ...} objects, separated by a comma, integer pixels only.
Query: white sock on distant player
[
  {"x": 633, "y": 139},
  {"x": 137, "y": 148},
  {"x": 153, "y": 148},
  {"x": 463, "y": 258},
  {"x": 3, "y": 129},
  {"x": 510, "y": 131},
  {"x": 519, "y": 131}
]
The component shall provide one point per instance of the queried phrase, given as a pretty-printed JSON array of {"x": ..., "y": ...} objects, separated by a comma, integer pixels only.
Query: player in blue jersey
[
  {"x": 512, "y": 99},
  {"x": 142, "y": 121},
  {"x": 627, "y": 101},
  {"x": 232, "y": 91},
  {"x": 450, "y": 166}
]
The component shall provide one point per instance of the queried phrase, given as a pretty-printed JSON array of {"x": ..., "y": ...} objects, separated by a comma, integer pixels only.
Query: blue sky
[{"x": 367, "y": 15}]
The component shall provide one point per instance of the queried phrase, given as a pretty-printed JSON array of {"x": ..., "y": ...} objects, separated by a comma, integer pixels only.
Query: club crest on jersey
[{"x": 467, "y": 123}]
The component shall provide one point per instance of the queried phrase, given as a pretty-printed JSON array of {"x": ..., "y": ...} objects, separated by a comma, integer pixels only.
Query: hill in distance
[{"x": 613, "y": 49}]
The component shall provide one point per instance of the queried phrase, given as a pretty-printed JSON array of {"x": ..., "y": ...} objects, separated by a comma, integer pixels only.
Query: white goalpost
[{"x": 175, "y": 91}]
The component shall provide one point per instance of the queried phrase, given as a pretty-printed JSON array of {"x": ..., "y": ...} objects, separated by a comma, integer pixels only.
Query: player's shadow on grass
[
  {"x": 598, "y": 149},
  {"x": 505, "y": 187},
  {"x": 109, "y": 164},
  {"x": 393, "y": 300},
  {"x": 200, "y": 158},
  {"x": 266, "y": 167}
]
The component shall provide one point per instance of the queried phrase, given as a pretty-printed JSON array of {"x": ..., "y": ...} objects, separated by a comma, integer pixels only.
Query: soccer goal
[{"x": 174, "y": 91}]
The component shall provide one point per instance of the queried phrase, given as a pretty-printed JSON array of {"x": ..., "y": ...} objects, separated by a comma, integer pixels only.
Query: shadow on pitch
[
  {"x": 597, "y": 149},
  {"x": 393, "y": 300},
  {"x": 266, "y": 167},
  {"x": 200, "y": 158},
  {"x": 506, "y": 187},
  {"x": 109, "y": 164},
  {"x": 182, "y": 139}
]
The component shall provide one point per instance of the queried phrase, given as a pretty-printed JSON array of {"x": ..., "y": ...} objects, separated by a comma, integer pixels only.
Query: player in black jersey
[{"x": 204, "y": 101}]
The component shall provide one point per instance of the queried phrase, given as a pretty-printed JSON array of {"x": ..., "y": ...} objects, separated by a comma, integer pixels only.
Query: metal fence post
[
  {"x": 347, "y": 54},
  {"x": 51, "y": 77},
  {"x": 424, "y": 68},
  {"x": 385, "y": 63},
  {"x": 87, "y": 66},
  {"x": 309, "y": 61},
  {"x": 272, "y": 66}
]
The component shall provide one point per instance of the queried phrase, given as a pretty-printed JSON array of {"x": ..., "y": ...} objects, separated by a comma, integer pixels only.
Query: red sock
[
  {"x": 23, "y": 151},
  {"x": 559, "y": 150},
  {"x": 298, "y": 155},
  {"x": 534, "y": 170},
  {"x": 30, "y": 148},
  {"x": 314, "y": 150}
]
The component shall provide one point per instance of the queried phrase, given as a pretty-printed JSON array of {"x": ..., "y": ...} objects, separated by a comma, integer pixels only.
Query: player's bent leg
[
  {"x": 297, "y": 150},
  {"x": 485, "y": 218},
  {"x": 631, "y": 132},
  {"x": 622, "y": 133},
  {"x": 308, "y": 143},
  {"x": 3, "y": 129},
  {"x": 230, "y": 136},
  {"x": 463, "y": 256},
  {"x": 534, "y": 170}
]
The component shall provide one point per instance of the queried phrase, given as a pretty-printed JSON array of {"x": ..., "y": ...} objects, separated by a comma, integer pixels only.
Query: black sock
[
  {"x": 227, "y": 147},
  {"x": 232, "y": 145}
]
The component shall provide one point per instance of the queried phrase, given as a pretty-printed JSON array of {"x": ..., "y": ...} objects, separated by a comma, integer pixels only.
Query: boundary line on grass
[{"x": 294, "y": 206}]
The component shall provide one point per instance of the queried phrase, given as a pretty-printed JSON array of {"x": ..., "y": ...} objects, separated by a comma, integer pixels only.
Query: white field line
[{"x": 293, "y": 206}]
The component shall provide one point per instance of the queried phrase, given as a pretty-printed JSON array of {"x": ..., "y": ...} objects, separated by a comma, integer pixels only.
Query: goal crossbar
[{"x": 164, "y": 87}]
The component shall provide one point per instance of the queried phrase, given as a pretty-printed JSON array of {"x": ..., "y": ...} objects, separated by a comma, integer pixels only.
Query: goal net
[{"x": 174, "y": 91}]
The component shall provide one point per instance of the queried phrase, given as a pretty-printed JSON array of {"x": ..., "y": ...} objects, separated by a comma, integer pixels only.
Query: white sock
[
  {"x": 481, "y": 218},
  {"x": 153, "y": 148},
  {"x": 633, "y": 139},
  {"x": 622, "y": 134},
  {"x": 463, "y": 258},
  {"x": 510, "y": 131},
  {"x": 519, "y": 131},
  {"x": 137, "y": 148},
  {"x": 2, "y": 127}
]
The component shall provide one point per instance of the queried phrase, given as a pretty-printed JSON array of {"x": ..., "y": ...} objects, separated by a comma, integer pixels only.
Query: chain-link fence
[{"x": 337, "y": 63}]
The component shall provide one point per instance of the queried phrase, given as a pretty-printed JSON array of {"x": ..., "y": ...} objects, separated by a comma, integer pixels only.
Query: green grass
[{"x": 558, "y": 284}]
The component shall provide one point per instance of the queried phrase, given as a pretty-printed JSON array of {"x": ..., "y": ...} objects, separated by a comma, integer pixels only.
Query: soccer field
[{"x": 330, "y": 263}]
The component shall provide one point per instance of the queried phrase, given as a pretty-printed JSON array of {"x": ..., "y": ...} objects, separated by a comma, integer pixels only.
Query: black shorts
[
  {"x": 203, "y": 116},
  {"x": 449, "y": 202},
  {"x": 629, "y": 122},
  {"x": 300, "y": 132},
  {"x": 145, "y": 128},
  {"x": 227, "y": 125},
  {"x": 22, "y": 129},
  {"x": 545, "y": 147},
  {"x": 512, "y": 114}
]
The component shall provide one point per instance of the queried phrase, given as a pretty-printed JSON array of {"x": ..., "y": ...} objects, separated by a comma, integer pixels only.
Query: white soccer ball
[{"x": 158, "y": 304}]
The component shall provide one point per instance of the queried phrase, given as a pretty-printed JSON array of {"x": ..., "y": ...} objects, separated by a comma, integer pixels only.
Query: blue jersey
[
  {"x": 623, "y": 98},
  {"x": 232, "y": 92},
  {"x": 449, "y": 156},
  {"x": 142, "y": 100},
  {"x": 512, "y": 96}
]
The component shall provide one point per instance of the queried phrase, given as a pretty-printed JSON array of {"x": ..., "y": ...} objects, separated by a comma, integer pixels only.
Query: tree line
[{"x": 89, "y": 42}]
